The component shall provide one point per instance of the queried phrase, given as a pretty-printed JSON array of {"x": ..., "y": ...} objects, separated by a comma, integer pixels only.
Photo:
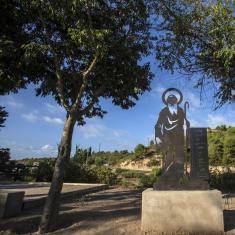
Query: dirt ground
[{"x": 115, "y": 211}]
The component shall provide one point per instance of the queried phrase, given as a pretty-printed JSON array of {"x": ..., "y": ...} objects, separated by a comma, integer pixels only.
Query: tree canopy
[
  {"x": 67, "y": 41},
  {"x": 197, "y": 37}
]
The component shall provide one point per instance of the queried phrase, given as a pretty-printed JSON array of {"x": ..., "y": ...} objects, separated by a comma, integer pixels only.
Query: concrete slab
[
  {"x": 10, "y": 203},
  {"x": 182, "y": 211}
]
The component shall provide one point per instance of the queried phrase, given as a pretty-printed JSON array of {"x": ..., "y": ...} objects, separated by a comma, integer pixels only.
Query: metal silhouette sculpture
[{"x": 170, "y": 136}]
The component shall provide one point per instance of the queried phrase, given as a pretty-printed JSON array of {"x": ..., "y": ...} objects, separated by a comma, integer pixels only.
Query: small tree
[
  {"x": 80, "y": 155},
  {"x": 151, "y": 143},
  {"x": 140, "y": 150}
]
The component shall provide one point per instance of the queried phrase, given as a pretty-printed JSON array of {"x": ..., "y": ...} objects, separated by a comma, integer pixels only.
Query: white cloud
[
  {"x": 31, "y": 117},
  {"x": 13, "y": 103},
  {"x": 216, "y": 120},
  {"x": 46, "y": 147},
  {"x": 93, "y": 130},
  {"x": 54, "y": 108},
  {"x": 119, "y": 133},
  {"x": 96, "y": 130},
  {"x": 58, "y": 121}
]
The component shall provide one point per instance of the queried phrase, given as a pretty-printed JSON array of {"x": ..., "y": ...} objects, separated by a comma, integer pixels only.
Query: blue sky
[{"x": 35, "y": 124}]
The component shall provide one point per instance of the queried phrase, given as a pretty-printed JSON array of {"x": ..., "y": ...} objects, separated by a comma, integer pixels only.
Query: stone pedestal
[
  {"x": 10, "y": 203},
  {"x": 182, "y": 211}
]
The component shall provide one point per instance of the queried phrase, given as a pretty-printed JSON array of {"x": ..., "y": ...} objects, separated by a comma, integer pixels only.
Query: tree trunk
[{"x": 52, "y": 204}]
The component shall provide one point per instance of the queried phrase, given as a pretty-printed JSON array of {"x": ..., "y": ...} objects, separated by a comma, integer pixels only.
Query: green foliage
[
  {"x": 229, "y": 147},
  {"x": 109, "y": 158},
  {"x": 45, "y": 170},
  {"x": 79, "y": 173},
  {"x": 153, "y": 177},
  {"x": 82, "y": 155},
  {"x": 126, "y": 183},
  {"x": 151, "y": 143},
  {"x": 6, "y": 166},
  {"x": 76, "y": 172},
  {"x": 129, "y": 173},
  {"x": 216, "y": 147},
  {"x": 140, "y": 150},
  {"x": 77, "y": 51},
  {"x": 198, "y": 37},
  {"x": 4, "y": 155},
  {"x": 184, "y": 180},
  {"x": 223, "y": 181},
  {"x": 105, "y": 175},
  {"x": 154, "y": 162},
  {"x": 3, "y": 116},
  {"x": 221, "y": 148}
]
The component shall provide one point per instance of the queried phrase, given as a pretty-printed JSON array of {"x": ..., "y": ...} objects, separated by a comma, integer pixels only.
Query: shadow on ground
[
  {"x": 118, "y": 207},
  {"x": 229, "y": 220},
  {"x": 97, "y": 207}
]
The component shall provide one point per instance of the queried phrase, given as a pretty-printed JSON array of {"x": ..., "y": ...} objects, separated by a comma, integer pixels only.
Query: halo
[{"x": 172, "y": 89}]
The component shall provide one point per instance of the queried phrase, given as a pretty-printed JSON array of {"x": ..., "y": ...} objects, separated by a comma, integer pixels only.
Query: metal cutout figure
[{"x": 169, "y": 133}]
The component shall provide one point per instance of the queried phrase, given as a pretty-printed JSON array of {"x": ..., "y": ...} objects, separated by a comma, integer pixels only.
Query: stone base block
[
  {"x": 182, "y": 211},
  {"x": 10, "y": 203}
]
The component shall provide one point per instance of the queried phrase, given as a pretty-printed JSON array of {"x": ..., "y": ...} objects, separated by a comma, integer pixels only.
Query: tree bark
[{"x": 51, "y": 207}]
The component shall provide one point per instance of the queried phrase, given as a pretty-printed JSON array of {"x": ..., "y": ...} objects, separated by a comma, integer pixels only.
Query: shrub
[
  {"x": 140, "y": 150},
  {"x": 45, "y": 171},
  {"x": 153, "y": 162},
  {"x": 105, "y": 175},
  {"x": 224, "y": 181},
  {"x": 153, "y": 177}
]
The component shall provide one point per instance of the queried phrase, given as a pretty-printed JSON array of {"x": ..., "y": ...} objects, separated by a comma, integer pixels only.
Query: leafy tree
[
  {"x": 151, "y": 143},
  {"x": 229, "y": 146},
  {"x": 198, "y": 37},
  {"x": 3, "y": 115},
  {"x": 80, "y": 155},
  {"x": 13, "y": 18},
  {"x": 77, "y": 52},
  {"x": 4, "y": 156},
  {"x": 140, "y": 150},
  {"x": 221, "y": 128},
  {"x": 216, "y": 147}
]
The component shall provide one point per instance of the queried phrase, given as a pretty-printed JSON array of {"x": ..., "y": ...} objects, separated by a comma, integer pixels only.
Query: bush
[
  {"x": 132, "y": 174},
  {"x": 140, "y": 150},
  {"x": 127, "y": 184},
  {"x": 105, "y": 175},
  {"x": 153, "y": 177},
  {"x": 224, "y": 181},
  {"x": 45, "y": 170},
  {"x": 153, "y": 162}
]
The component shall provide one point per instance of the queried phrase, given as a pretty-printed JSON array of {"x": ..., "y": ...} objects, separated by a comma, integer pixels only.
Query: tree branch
[
  {"x": 60, "y": 86},
  {"x": 85, "y": 79},
  {"x": 86, "y": 73},
  {"x": 93, "y": 100}
]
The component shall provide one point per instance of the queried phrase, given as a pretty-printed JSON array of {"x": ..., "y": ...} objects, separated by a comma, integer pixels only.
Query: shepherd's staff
[{"x": 186, "y": 106}]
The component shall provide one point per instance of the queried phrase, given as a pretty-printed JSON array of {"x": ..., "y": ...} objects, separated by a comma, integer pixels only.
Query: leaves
[
  {"x": 197, "y": 37},
  {"x": 60, "y": 43}
]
